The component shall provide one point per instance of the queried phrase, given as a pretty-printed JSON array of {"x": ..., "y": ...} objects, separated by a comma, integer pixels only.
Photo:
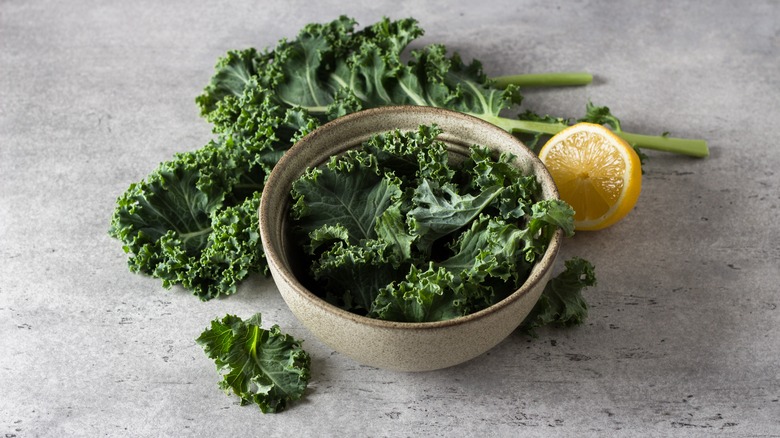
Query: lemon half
[{"x": 597, "y": 173}]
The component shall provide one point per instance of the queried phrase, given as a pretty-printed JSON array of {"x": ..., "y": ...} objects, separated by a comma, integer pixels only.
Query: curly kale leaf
[
  {"x": 353, "y": 274},
  {"x": 328, "y": 69},
  {"x": 494, "y": 257},
  {"x": 411, "y": 155},
  {"x": 549, "y": 215},
  {"x": 325, "y": 237},
  {"x": 233, "y": 252},
  {"x": 423, "y": 296},
  {"x": 391, "y": 227},
  {"x": 484, "y": 169},
  {"x": 232, "y": 74},
  {"x": 488, "y": 262},
  {"x": 561, "y": 302},
  {"x": 303, "y": 60},
  {"x": 264, "y": 367},
  {"x": 167, "y": 221},
  {"x": 441, "y": 210},
  {"x": 259, "y": 125},
  {"x": 191, "y": 221},
  {"x": 291, "y": 69},
  {"x": 350, "y": 198},
  {"x": 339, "y": 208},
  {"x": 462, "y": 87}
]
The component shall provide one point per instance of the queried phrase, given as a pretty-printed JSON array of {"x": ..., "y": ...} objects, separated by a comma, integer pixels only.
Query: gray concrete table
[{"x": 682, "y": 338}]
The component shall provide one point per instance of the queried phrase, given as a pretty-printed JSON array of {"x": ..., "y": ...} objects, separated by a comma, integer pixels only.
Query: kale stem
[
  {"x": 526, "y": 126},
  {"x": 563, "y": 79},
  {"x": 684, "y": 146}
]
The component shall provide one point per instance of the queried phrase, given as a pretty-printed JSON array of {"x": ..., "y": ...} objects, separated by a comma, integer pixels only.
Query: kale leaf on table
[
  {"x": 561, "y": 303},
  {"x": 192, "y": 221},
  {"x": 265, "y": 367}
]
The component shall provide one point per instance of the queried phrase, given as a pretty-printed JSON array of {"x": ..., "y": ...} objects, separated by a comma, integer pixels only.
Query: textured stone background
[{"x": 682, "y": 338}]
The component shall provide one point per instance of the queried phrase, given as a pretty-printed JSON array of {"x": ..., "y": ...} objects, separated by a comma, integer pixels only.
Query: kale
[
  {"x": 264, "y": 367},
  {"x": 422, "y": 246}
]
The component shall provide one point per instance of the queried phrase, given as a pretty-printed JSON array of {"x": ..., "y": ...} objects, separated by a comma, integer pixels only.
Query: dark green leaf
[
  {"x": 265, "y": 367},
  {"x": 233, "y": 72},
  {"x": 325, "y": 236},
  {"x": 354, "y": 274},
  {"x": 167, "y": 222},
  {"x": 350, "y": 198},
  {"x": 440, "y": 211},
  {"x": 422, "y": 296},
  {"x": 391, "y": 227},
  {"x": 561, "y": 302},
  {"x": 412, "y": 155}
]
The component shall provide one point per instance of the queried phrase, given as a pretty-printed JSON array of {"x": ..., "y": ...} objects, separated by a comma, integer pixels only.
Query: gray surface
[{"x": 683, "y": 332}]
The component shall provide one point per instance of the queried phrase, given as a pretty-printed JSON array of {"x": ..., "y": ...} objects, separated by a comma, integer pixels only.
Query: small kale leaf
[
  {"x": 423, "y": 296},
  {"x": 265, "y": 367},
  {"x": 441, "y": 210},
  {"x": 600, "y": 115},
  {"x": 562, "y": 303}
]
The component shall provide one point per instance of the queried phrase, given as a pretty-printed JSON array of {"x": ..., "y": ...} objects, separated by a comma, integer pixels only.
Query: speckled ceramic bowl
[{"x": 394, "y": 345}]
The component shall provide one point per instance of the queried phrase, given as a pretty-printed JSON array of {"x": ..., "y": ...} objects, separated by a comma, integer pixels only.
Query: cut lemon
[{"x": 596, "y": 172}]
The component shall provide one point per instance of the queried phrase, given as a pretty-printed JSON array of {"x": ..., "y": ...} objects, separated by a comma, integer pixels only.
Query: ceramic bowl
[{"x": 396, "y": 345}]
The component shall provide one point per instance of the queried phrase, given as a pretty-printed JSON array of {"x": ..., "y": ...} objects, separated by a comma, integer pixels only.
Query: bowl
[{"x": 399, "y": 346}]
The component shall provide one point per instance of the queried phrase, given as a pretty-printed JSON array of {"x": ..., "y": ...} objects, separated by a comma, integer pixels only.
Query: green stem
[
  {"x": 526, "y": 126},
  {"x": 564, "y": 79},
  {"x": 684, "y": 146}
]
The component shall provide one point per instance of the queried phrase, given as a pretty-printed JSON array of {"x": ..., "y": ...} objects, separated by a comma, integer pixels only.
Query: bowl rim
[{"x": 538, "y": 271}]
